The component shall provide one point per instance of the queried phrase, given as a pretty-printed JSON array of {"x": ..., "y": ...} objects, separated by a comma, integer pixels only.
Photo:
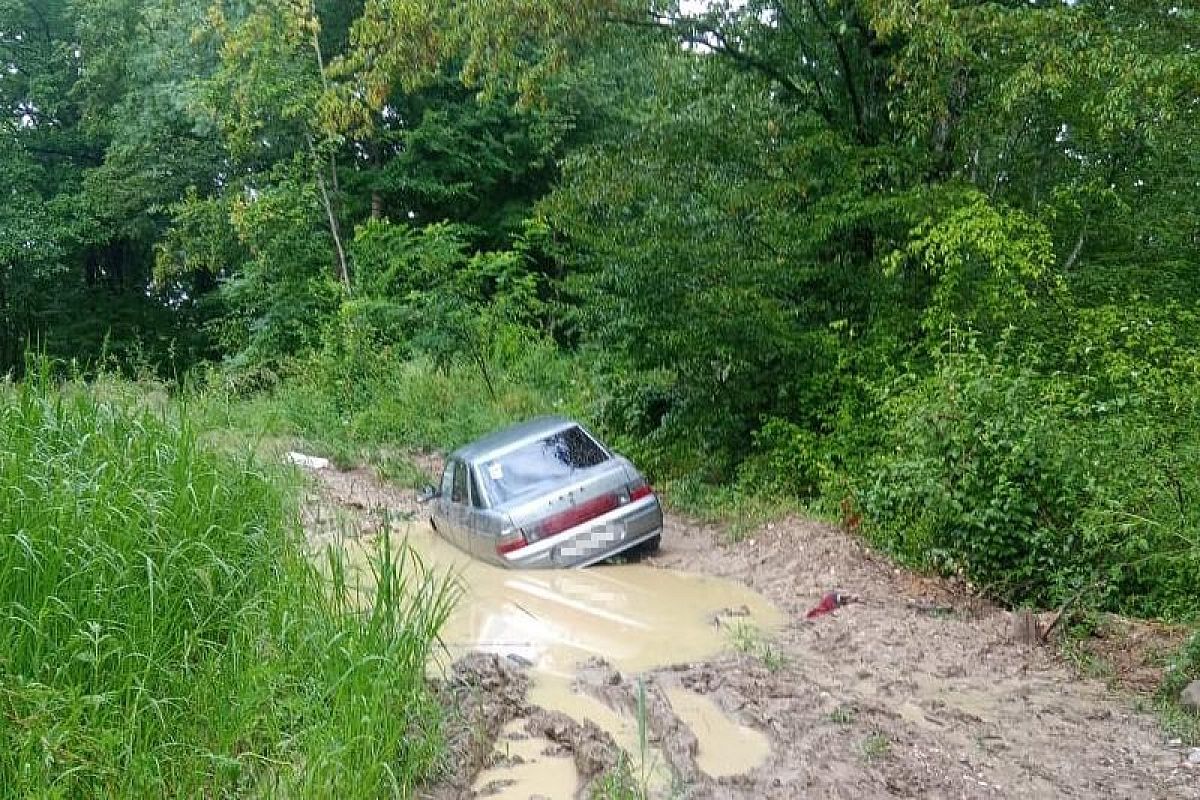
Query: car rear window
[{"x": 540, "y": 465}]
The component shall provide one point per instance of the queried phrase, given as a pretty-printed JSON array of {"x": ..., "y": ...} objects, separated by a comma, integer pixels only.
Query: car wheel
[{"x": 648, "y": 547}]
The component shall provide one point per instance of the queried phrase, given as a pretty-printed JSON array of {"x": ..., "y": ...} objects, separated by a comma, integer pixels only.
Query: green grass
[
  {"x": 750, "y": 640},
  {"x": 165, "y": 637},
  {"x": 1183, "y": 669},
  {"x": 633, "y": 776},
  {"x": 844, "y": 715},
  {"x": 392, "y": 403},
  {"x": 736, "y": 506},
  {"x": 1179, "y": 723},
  {"x": 402, "y": 471},
  {"x": 876, "y": 746},
  {"x": 1075, "y": 653}
]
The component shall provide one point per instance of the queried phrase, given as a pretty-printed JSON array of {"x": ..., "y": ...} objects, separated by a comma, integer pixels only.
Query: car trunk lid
[{"x": 597, "y": 491}]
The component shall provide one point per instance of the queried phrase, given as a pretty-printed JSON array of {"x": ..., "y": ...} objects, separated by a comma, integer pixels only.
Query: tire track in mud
[
  {"x": 913, "y": 692},
  {"x": 488, "y": 695}
]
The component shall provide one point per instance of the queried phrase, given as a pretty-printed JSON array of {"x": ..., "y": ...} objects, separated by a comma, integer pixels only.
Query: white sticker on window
[{"x": 495, "y": 471}]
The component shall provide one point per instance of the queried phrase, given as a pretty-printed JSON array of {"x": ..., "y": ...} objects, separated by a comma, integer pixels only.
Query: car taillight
[
  {"x": 638, "y": 492},
  {"x": 510, "y": 541}
]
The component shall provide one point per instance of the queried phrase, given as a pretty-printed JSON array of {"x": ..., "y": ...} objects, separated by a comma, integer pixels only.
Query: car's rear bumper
[{"x": 596, "y": 540}]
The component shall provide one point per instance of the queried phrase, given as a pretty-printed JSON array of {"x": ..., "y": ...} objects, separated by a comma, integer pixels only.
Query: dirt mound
[
  {"x": 483, "y": 694},
  {"x": 592, "y": 749},
  {"x": 667, "y": 731}
]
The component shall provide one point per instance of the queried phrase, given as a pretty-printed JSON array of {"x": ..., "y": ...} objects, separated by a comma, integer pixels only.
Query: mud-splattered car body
[{"x": 545, "y": 493}]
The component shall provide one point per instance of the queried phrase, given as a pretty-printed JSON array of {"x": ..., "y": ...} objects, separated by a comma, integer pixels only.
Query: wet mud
[{"x": 697, "y": 674}]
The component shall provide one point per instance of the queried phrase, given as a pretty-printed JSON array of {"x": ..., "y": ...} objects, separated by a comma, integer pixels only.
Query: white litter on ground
[{"x": 309, "y": 462}]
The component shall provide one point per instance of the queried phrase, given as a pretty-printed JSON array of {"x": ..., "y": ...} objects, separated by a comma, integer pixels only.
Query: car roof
[{"x": 512, "y": 436}]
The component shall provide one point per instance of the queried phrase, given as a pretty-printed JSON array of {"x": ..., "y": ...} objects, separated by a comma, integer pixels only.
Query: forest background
[{"x": 929, "y": 267}]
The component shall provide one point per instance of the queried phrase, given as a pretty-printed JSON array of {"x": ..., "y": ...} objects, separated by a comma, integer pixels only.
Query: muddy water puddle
[
  {"x": 726, "y": 746},
  {"x": 647, "y": 763},
  {"x": 526, "y": 765},
  {"x": 635, "y": 617}
]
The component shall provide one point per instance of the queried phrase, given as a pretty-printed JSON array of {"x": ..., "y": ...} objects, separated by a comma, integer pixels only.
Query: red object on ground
[{"x": 828, "y": 603}]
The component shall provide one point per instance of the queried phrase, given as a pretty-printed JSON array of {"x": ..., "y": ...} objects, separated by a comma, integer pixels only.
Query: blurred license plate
[{"x": 594, "y": 539}]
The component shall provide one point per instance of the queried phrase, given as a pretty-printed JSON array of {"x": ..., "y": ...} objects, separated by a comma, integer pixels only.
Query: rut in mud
[{"x": 698, "y": 674}]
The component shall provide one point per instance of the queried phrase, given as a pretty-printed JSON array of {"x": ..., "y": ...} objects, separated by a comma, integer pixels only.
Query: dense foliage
[{"x": 934, "y": 264}]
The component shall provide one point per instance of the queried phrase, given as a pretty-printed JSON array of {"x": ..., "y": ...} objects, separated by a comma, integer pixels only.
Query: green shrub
[
  {"x": 977, "y": 481},
  {"x": 787, "y": 461},
  {"x": 1035, "y": 488},
  {"x": 1136, "y": 389}
]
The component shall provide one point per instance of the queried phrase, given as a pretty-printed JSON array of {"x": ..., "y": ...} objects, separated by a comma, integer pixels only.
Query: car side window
[
  {"x": 476, "y": 491},
  {"x": 459, "y": 492},
  {"x": 448, "y": 479}
]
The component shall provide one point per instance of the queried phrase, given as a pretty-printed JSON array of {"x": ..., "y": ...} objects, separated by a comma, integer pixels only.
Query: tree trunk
[
  {"x": 343, "y": 272},
  {"x": 1078, "y": 248},
  {"x": 335, "y": 231}
]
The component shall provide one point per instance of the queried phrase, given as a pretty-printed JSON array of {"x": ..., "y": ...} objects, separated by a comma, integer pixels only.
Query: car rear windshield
[{"x": 539, "y": 466}]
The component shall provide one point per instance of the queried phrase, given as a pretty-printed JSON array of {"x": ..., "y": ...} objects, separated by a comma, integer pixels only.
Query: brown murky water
[
  {"x": 647, "y": 762},
  {"x": 526, "y": 765},
  {"x": 633, "y": 616},
  {"x": 726, "y": 747}
]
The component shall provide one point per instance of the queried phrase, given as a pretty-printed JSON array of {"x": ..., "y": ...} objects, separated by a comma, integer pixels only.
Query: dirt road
[{"x": 911, "y": 692}]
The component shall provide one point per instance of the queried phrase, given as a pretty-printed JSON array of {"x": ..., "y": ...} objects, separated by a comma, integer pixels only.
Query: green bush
[
  {"x": 1037, "y": 486},
  {"x": 787, "y": 461},
  {"x": 165, "y": 636},
  {"x": 977, "y": 480}
]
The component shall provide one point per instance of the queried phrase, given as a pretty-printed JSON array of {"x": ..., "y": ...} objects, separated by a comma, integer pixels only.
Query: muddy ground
[{"x": 915, "y": 690}]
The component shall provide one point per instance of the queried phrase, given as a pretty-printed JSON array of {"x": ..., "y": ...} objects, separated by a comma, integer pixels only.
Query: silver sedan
[{"x": 545, "y": 493}]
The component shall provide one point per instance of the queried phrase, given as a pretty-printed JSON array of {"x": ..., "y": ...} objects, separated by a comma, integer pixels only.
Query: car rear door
[
  {"x": 484, "y": 522},
  {"x": 440, "y": 515},
  {"x": 459, "y": 508}
]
